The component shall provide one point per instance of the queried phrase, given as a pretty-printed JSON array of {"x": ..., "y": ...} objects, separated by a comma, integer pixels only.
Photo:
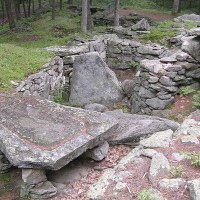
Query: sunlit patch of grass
[{"x": 17, "y": 62}]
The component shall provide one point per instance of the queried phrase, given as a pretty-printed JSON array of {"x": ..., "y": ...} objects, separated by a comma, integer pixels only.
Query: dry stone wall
[
  {"x": 161, "y": 73},
  {"x": 46, "y": 82}
]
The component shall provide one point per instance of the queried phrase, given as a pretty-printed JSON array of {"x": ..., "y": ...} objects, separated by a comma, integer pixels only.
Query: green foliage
[
  {"x": 16, "y": 63},
  {"x": 186, "y": 90},
  {"x": 122, "y": 106},
  {"x": 161, "y": 31},
  {"x": 190, "y": 25},
  {"x": 146, "y": 195},
  {"x": 133, "y": 64},
  {"x": 5, "y": 178},
  {"x": 177, "y": 171},
  {"x": 26, "y": 193},
  {"x": 196, "y": 100},
  {"x": 193, "y": 157},
  {"x": 60, "y": 96}
]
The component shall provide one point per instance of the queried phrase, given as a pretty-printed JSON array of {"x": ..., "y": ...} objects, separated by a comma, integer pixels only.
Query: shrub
[
  {"x": 186, "y": 90},
  {"x": 193, "y": 157},
  {"x": 177, "y": 171},
  {"x": 196, "y": 100}
]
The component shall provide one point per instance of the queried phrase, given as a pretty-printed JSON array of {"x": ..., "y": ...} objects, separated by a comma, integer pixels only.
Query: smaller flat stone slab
[{"x": 36, "y": 133}]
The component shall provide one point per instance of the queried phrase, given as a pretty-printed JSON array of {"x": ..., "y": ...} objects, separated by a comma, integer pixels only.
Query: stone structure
[
  {"x": 161, "y": 72},
  {"x": 46, "y": 82},
  {"x": 40, "y": 134},
  {"x": 159, "y": 81}
]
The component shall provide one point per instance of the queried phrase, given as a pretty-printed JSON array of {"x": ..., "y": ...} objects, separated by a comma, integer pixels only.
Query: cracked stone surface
[{"x": 36, "y": 133}]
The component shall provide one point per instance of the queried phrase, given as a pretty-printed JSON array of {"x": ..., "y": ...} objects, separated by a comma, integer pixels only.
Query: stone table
[{"x": 39, "y": 134}]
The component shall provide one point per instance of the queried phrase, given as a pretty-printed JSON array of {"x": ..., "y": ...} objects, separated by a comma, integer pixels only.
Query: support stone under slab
[
  {"x": 4, "y": 164},
  {"x": 36, "y": 185}
]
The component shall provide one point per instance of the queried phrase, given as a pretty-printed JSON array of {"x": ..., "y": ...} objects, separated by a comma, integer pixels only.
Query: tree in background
[
  {"x": 176, "y": 7},
  {"x": 9, "y": 14},
  {"x": 84, "y": 16},
  {"x": 116, "y": 13}
]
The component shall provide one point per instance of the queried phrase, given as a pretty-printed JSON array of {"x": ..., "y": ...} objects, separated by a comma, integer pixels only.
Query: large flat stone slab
[{"x": 36, "y": 133}]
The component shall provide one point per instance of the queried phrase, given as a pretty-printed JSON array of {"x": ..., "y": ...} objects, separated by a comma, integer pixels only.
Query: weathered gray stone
[
  {"x": 146, "y": 93},
  {"x": 159, "y": 139},
  {"x": 36, "y": 184},
  {"x": 153, "y": 79},
  {"x": 192, "y": 47},
  {"x": 189, "y": 139},
  {"x": 98, "y": 153},
  {"x": 93, "y": 82},
  {"x": 177, "y": 156},
  {"x": 164, "y": 80},
  {"x": 172, "y": 184},
  {"x": 128, "y": 87},
  {"x": 154, "y": 66},
  {"x": 194, "y": 188},
  {"x": 132, "y": 126},
  {"x": 168, "y": 60},
  {"x": 142, "y": 25},
  {"x": 36, "y": 133},
  {"x": 189, "y": 17},
  {"x": 159, "y": 166},
  {"x": 96, "y": 107},
  {"x": 148, "y": 152},
  {"x": 159, "y": 104},
  {"x": 148, "y": 49}
]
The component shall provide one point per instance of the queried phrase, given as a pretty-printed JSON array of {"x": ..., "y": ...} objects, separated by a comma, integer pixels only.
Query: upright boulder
[
  {"x": 93, "y": 82},
  {"x": 142, "y": 25}
]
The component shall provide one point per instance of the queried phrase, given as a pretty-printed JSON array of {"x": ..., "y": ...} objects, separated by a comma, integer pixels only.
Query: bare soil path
[{"x": 155, "y": 16}]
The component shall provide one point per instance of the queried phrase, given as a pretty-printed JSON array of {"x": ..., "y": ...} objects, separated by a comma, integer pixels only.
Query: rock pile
[
  {"x": 158, "y": 81},
  {"x": 46, "y": 82},
  {"x": 158, "y": 162}
]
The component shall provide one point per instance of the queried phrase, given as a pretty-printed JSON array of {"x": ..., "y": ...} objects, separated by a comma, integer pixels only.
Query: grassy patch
[
  {"x": 16, "y": 63},
  {"x": 161, "y": 31},
  {"x": 42, "y": 32},
  {"x": 5, "y": 178}
]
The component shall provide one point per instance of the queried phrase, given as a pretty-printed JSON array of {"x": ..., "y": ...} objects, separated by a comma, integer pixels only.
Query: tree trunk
[
  {"x": 90, "y": 24},
  {"x": 40, "y": 4},
  {"x": 29, "y": 8},
  {"x": 17, "y": 12},
  {"x": 24, "y": 8},
  {"x": 61, "y": 4},
  {"x": 53, "y": 8},
  {"x": 116, "y": 13},
  {"x": 9, "y": 14},
  {"x": 84, "y": 16},
  {"x": 33, "y": 6},
  {"x": 175, "y": 7},
  {"x": 3, "y": 8}
]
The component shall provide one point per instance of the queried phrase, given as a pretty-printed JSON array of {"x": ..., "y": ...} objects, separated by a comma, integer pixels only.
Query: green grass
[
  {"x": 161, "y": 31},
  {"x": 17, "y": 62},
  {"x": 48, "y": 32}
]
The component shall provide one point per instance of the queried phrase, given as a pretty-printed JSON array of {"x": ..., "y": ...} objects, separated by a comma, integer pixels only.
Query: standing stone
[
  {"x": 142, "y": 25},
  {"x": 93, "y": 82}
]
